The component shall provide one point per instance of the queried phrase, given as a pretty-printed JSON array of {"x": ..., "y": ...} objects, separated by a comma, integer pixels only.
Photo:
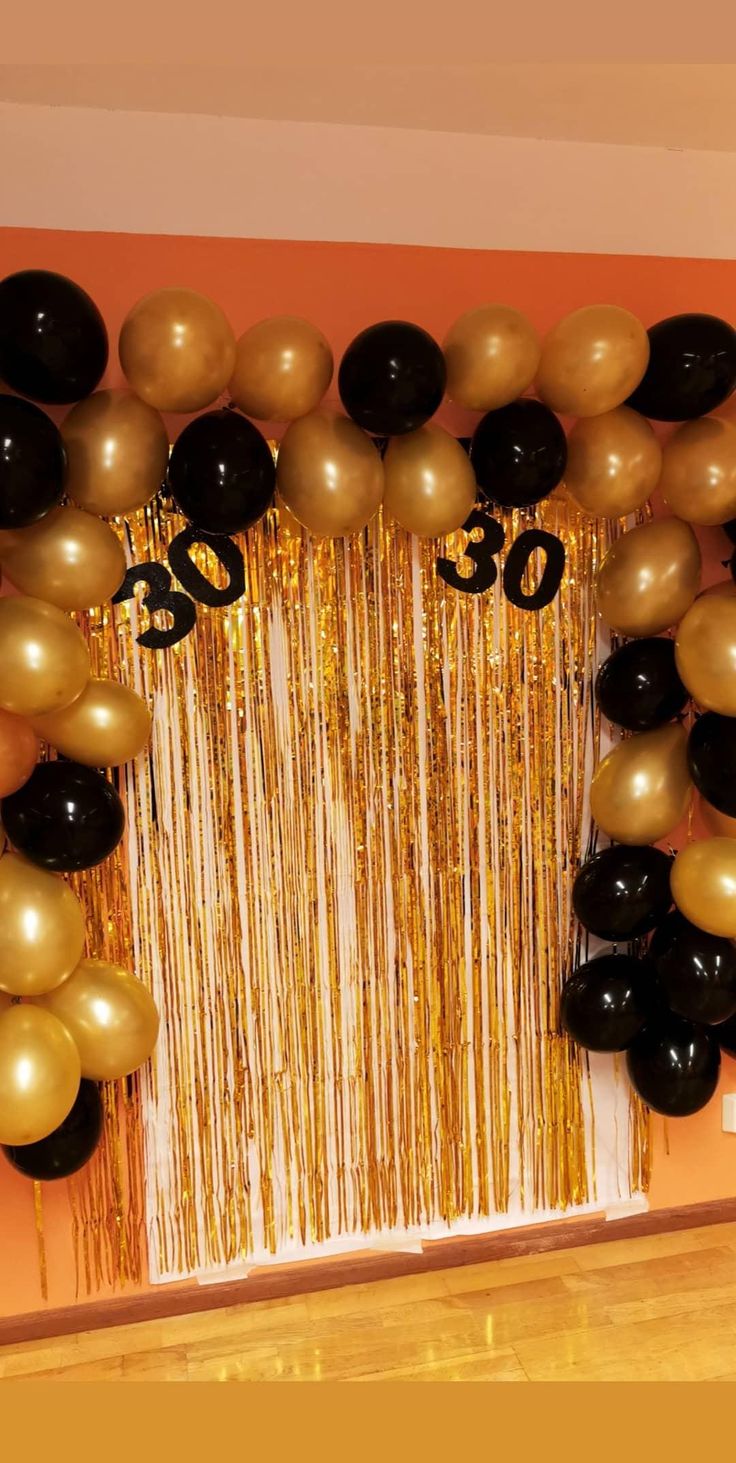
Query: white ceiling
[{"x": 674, "y": 106}]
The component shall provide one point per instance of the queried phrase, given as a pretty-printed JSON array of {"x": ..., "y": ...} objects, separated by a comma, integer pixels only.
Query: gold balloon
[
  {"x": 649, "y": 577},
  {"x": 177, "y": 350},
  {"x": 492, "y": 355},
  {"x": 705, "y": 652},
  {"x": 704, "y": 885},
  {"x": 117, "y": 451},
  {"x": 18, "y": 752},
  {"x": 592, "y": 360},
  {"x": 329, "y": 474},
  {"x": 39, "y": 1074},
  {"x": 719, "y": 824},
  {"x": 613, "y": 463},
  {"x": 41, "y": 928},
  {"x": 642, "y": 789},
  {"x": 283, "y": 367},
  {"x": 70, "y": 558},
  {"x": 724, "y": 589},
  {"x": 107, "y": 725},
  {"x": 430, "y": 484},
  {"x": 699, "y": 471},
  {"x": 111, "y": 1016},
  {"x": 44, "y": 660}
]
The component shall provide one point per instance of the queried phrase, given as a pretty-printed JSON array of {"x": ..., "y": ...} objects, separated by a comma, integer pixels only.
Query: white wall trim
[{"x": 141, "y": 172}]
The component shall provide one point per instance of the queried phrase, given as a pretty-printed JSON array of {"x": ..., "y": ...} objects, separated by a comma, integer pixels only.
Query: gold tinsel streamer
[
  {"x": 348, "y": 883},
  {"x": 40, "y": 1240},
  {"x": 106, "y": 1198}
]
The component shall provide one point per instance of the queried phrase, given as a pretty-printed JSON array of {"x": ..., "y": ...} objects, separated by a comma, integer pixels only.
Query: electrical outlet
[{"x": 729, "y": 1112}]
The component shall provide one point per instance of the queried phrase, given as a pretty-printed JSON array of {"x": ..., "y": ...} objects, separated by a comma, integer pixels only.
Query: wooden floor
[{"x": 659, "y": 1308}]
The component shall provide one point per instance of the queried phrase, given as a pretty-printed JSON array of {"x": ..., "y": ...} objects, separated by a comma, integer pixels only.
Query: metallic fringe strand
[{"x": 347, "y": 881}]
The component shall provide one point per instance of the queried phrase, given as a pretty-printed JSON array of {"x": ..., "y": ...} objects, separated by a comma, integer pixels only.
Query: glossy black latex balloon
[
  {"x": 692, "y": 368},
  {"x": 32, "y": 461},
  {"x": 519, "y": 454},
  {"x": 221, "y": 472},
  {"x": 66, "y": 817},
  {"x": 606, "y": 1002},
  {"x": 674, "y": 1065},
  {"x": 623, "y": 892},
  {"x": 697, "y": 971},
  {"x": 69, "y": 1147},
  {"x": 711, "y": 755},
  {"x": 392, "y": 378},
  {"x": 726, "y": 1033},
  {"x": 638, "y": 686},
  {"x": 53, "y": 341}
]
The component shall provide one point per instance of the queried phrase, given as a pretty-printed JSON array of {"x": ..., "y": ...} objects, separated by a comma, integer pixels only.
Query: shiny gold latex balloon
[
  {"x": 642, "y": 789},
  {"x": 177, "y": 350},
  {"x": 107, "y": 725},
  {"x": 430, "y": 484},
  {"x": 44, "y": 660},
  {"x": 699, "y": 471},
  {"x": 704, "y": 885},
  {"x": 491, "y": 355},
  {"x": 69, "y": 558},
  {"x": 724, "y": 589},
  {"x": 613, "y": 463},
  {"x": 41, "y": 928},
  {"x": 39, "y": 1074},
  {"x": 18, "y": 752},
  {"x": 705, "y": 652},
  {"x": 110, "y": 1015},
  {"x": 649, "y": 578},
  {"x": 329, "y": 474},
  {"x": 283, "y": 367},
  {"x": 117, "y": 451},
  {"x": 592, "y": 360}
]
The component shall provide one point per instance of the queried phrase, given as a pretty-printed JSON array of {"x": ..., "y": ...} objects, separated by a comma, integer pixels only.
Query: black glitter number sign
[
  {"x": 481, "y": 552},
  {"x": 193, "y": 580},
  {"x": 160, "y": 597},
  {"x": 515, "y": 567}
]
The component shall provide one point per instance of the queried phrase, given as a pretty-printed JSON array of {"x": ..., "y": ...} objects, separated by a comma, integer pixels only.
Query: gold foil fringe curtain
[{"x": 349, "y": 870}]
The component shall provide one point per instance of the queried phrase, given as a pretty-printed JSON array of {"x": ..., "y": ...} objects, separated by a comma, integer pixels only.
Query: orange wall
[{"x": 343, "y": 287}]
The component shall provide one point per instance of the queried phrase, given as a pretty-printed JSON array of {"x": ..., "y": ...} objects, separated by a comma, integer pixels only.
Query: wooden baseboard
[{"x": 272, "y": 1282}]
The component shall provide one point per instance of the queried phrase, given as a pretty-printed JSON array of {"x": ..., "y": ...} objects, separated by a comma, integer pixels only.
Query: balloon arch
[{"x": 69, "y": 1023}]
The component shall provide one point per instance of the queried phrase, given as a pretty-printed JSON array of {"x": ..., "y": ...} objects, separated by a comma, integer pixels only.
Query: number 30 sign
[
  {"x": 179, "y": 604},
  {"x": 174, "y": 602},
  {"x": 483, "y": 551}
]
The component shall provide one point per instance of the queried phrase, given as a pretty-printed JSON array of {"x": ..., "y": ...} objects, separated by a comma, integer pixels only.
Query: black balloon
[
  {"x": 726, "y": 1033},
  {"x": 711, "y": 755},
  {"x": 692, "y": 368},
  {"x": 730, "y": 529},
  {"x": 69, "y": 1147},
  {"x": 638, "y": 686},
  {"x": 607, "y": 1002},
  {"x": 221, "y": 472},
  {"x": 392, "y": 378},
  {"x": 53, "y": 341},
  {"x": 32, "y": 461},
  {"x": 623, "y": 892},
  {"x": 519, "y": 454},
  {"x": 66, "y": 817},
  {"x": 674, "y": 1065},
  {"x": 697, "y": 971}
]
